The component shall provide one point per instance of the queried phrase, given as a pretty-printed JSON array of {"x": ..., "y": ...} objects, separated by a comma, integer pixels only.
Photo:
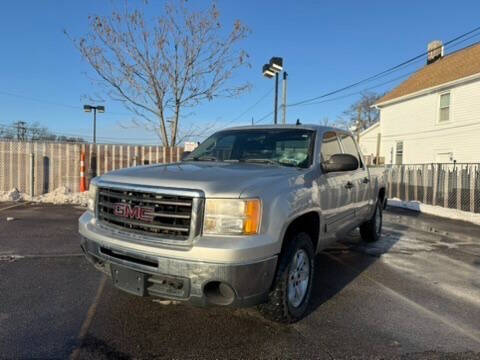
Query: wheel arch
[{"x": 308, "y": 222}]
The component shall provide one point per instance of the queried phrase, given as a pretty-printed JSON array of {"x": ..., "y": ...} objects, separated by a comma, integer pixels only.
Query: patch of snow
[
  {"x": 61, "y": 195},
  {"x": 436, "y": 210},
  {"x": 10, "y": 258},
  {"x": 166, "y": 302},
  {"x": 12, "y": 195},
  {"x": 393, "y": 243},
  {"x": 454, "y": 278}
]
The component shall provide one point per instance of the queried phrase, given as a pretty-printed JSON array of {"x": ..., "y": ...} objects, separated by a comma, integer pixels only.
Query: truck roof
[{"x": 288, "y": 126}]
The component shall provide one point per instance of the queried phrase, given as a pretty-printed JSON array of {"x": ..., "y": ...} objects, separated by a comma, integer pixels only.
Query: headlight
[
  {"x": 232, "y": 216},
  {"x": 92, "y": 197}
]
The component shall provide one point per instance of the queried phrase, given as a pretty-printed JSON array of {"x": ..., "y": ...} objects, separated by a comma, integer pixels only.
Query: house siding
[{"x": 415, "y": 122}]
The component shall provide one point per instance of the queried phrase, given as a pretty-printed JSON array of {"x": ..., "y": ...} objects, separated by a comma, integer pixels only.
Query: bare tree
[
  {"x": 368, "y": 114},
  {"x": 24, "y": 131},
  {"x": 37, "y": 132},
  {"x": 325, "y": 121},
  {"x": 6, "y": 132},
  {"x": 158, "y": 67}
]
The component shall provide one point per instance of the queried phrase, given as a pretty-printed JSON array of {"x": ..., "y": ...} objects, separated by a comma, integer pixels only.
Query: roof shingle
[{"x": 451, "y": 67}]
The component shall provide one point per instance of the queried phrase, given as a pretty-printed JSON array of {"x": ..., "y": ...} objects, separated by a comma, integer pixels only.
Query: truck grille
[{"x": 165, "y": 216}]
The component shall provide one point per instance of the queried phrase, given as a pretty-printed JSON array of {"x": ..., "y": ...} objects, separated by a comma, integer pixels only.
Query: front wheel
[
  {"x": 371, "y": 230},
  {"x": 290, "y": 294}
]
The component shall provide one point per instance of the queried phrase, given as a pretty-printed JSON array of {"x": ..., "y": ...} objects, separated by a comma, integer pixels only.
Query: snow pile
[
  {"x": 61, "y": 195},
  {"x": 436, "y": 210},
  {"x": 12, "y": 195}
]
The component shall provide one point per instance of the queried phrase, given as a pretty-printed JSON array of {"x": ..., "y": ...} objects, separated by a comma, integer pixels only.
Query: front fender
[{"x": 284, "y": 201}]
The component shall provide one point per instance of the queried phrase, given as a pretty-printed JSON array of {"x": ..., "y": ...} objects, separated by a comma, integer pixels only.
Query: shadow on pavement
[
  {"x": 331, "y": 274},
  {"x": 98, "y": 348}
]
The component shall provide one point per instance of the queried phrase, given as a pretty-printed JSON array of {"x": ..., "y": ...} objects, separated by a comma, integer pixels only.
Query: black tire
[
  {"x": 370, "y": 231},
  {"x": 278, "y": 308}
]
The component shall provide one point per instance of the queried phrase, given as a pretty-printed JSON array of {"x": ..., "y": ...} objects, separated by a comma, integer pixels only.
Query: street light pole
[
  {"x": 92, "y": 171},
  {"x": 271, "y": 69}
]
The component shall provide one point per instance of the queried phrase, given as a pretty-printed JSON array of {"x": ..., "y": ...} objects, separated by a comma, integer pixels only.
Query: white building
[
  {"x": 433, "y": 116},
  {"x": 369, "y": 138}
]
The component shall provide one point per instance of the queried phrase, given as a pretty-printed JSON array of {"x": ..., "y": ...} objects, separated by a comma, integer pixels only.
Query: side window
[
  {"x": 349, "y": 147},
  {"x": 330, "y": 145},
  {"x": 399, "y": 153},
  {"x": 444, "y": 107}
]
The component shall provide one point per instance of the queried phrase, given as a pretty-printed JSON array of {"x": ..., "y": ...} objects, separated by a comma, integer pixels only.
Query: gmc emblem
[{"x": 143, "y": 213}]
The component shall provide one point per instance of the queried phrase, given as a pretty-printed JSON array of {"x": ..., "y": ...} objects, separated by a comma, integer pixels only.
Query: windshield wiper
[
  {"x": 261, "y": 161},
  {"x": 205, "y": 158}
]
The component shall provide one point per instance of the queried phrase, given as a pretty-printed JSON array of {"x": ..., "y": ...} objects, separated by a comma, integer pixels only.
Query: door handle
[
  {"x": 366, "y": 180},
  {"x": 349, "y": 185}
]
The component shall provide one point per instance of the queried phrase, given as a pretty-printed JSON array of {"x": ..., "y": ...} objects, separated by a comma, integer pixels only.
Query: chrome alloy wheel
[{"x": 298, "y": 278}]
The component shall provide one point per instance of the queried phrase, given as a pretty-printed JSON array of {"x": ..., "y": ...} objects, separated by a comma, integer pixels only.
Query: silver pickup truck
[{"x": 238, "y": 222}]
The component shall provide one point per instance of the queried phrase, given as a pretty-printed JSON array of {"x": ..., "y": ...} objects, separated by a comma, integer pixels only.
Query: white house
[
  {"x": 434, "y": 115},
  {"x": 369, "y": 141}
]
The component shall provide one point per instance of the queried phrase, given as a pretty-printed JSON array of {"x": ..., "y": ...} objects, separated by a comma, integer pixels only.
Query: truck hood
[{"x": 215, "y": 179}]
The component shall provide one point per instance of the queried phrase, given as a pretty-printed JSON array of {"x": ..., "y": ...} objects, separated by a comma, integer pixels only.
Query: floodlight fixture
[
  {"x": 267, "y": 72},
  {"x": 276, "y": 64}
]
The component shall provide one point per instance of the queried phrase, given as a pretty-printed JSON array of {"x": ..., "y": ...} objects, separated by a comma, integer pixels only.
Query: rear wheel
[
  {"x": 290, "y": 294},
  {"x": 372, "y": 229}
]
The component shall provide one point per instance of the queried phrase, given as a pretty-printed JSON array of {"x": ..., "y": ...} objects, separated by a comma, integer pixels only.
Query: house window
[
  {"x": 444, "y": 107},
  {"x": 399, "y": 153}
]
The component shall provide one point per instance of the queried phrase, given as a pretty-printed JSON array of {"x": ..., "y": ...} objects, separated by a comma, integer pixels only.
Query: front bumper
[{"x": 240, "y": 284}]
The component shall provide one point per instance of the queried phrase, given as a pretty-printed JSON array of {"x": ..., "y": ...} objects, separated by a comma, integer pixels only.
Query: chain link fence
[
  {"x": 452, "y": 185},
  {"x": 37, "y": 168}
]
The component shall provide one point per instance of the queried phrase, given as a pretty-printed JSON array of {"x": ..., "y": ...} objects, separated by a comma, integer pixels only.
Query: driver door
[{"x": 335, "y": 195}]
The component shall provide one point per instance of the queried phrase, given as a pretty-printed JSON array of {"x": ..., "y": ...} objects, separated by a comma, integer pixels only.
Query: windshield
[{"x": 287, "y": 147}]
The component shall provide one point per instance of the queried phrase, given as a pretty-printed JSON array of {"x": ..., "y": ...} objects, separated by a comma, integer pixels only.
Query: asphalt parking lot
[{"x": 415, "y": 294}]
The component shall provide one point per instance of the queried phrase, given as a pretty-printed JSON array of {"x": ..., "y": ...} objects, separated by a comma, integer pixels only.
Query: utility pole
[
  {"x": 21, "y": 130},
  {"x": 379, "y": 139},
  {"x": 276, "y": 99},
  {"x": 284, "y": 119}
]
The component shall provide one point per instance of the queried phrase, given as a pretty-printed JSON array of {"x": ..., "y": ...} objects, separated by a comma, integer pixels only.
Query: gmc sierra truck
[{"x": 238, "y": 221}]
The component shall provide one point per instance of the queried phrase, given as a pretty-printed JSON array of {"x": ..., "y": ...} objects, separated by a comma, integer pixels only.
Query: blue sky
[{"x": 325, "y": 45}]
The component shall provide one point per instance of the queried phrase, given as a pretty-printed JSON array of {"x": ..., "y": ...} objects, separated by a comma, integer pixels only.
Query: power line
[
  {"x": 384, "y": 72},
  {"x": 6, "y": 93},
  {"x": 343, "y": 96},
  {"x": 56, "y": 133},
  {"x": 359, "y": 92},
  {"x": 246, "y": 111},
  {"x": 251, "y": 107},
  {"x": 263, "y": 117}
]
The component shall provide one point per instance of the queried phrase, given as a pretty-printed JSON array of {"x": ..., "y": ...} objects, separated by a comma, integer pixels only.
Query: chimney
[{"x": 435, "y": 51}]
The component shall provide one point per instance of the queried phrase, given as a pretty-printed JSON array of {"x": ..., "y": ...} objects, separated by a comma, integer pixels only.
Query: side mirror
[
  {"x": 185, "y": 154},
  {"x": 340, "y": 162}
]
